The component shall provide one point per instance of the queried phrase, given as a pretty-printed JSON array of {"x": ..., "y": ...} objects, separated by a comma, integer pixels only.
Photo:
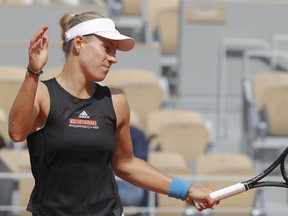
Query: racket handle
[
  {"x": 225, "y": 192},
  {"x": 228, "y": 191}
]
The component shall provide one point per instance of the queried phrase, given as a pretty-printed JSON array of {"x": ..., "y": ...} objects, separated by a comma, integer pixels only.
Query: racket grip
[{"x": 228, "y": 191}]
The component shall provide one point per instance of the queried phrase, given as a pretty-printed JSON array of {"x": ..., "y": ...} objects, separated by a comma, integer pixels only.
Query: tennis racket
[{"x": 255, "y": 182}]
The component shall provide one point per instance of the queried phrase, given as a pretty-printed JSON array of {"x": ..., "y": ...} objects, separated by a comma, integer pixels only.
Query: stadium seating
[
  {"x": 227, "y": 165},
  {"x": 141, "y": 87},
  {"x": 264, "y": 113},
  {"x": 174, "y": 164}
]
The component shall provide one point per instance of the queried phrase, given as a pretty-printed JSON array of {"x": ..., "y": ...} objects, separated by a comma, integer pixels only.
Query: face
[{"x": 96, "y": 56}]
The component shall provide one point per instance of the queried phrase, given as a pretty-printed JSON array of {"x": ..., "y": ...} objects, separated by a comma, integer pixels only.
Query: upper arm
[
  {"x": 124, "y": 147},
  {"x": 28, "y": 110}
]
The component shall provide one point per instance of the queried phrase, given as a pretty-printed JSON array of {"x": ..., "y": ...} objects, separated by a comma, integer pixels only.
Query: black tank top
[{"x": 71, "y": 156}]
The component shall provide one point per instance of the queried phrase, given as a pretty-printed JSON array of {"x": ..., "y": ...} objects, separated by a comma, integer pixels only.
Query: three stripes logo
[{"x": 83, "y": 115}]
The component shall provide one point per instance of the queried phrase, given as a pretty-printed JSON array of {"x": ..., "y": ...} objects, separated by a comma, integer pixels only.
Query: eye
[{"x": 109, "y": 49}]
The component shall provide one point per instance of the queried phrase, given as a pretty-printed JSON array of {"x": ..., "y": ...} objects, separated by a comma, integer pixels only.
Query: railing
[{"x": 152, "y": 209}]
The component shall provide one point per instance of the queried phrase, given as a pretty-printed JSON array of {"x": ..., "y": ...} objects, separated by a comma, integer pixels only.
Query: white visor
[{"x": 103, "y": 27}]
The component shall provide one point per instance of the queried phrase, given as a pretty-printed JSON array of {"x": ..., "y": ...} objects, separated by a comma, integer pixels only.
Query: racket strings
[{"x": 285, "y": 167}]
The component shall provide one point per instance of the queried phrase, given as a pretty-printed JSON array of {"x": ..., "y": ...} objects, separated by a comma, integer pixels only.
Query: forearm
[
  {"x": 142, "y": 174},
  {"x": 23, "y": 112}
]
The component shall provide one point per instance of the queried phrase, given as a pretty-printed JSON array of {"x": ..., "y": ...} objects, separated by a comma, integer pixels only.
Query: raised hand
[{"x": 38, "y": 50}]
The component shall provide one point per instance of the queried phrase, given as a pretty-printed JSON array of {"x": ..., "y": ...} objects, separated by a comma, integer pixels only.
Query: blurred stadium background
[{"x": 217, "y": 68}]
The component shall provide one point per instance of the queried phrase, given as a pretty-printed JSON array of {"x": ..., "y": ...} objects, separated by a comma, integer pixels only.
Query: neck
[{"x": 75, "y": 86}]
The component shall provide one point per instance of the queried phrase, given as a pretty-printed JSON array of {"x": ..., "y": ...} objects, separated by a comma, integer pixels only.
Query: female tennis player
[{"x": 77, "y": 131}]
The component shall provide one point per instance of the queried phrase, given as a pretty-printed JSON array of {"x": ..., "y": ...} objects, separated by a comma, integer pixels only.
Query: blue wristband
[{"x": 179, "y": 188}]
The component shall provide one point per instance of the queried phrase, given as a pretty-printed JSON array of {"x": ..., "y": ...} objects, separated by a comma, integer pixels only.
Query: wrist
[
  {"x": 37, "y": 73},
  {"x": 179, "y": 188}
]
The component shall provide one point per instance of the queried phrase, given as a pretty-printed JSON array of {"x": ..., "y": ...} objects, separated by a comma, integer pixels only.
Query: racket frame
[{"x": 254, "y": 182}]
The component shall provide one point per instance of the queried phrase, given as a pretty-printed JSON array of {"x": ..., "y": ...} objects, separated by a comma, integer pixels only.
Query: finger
[
  {"x": 37, "y": 38},
  {"x": 200, "y": 206},
  {"x": 45, "y": 42},
  {"x": 41, "y": 32},
  {"x": 210, "y": 201},
  {"x": 203, "y": 205}
]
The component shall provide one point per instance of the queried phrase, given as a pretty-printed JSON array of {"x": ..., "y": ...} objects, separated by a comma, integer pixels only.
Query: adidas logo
[{"x": 84, "y": 115}]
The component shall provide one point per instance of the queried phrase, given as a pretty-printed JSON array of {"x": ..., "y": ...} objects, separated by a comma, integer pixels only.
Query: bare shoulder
[
  {"x": 118, "y": 96},
  {"x": 121, "y": 105}
]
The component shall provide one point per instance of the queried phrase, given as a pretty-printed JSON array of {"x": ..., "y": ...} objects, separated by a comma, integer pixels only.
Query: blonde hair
[{"x": 69, "y": 20}]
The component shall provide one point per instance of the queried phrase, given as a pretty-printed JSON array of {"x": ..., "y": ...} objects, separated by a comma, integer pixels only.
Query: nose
[{"x": 112, "y": 58}]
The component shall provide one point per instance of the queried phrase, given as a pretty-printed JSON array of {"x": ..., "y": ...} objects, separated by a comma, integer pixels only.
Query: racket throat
[{"x": 247, "y": 185}]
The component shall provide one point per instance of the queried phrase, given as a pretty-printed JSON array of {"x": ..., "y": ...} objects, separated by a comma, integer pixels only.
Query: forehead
[{"x": 113, "y": 43}]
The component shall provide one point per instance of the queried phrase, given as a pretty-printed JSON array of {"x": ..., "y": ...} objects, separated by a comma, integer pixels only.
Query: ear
[{"x": 78, "y": 43}]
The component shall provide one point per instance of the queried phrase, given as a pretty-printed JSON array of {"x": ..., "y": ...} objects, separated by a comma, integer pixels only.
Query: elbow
[
  {"x": 123, "y": 168},
  {"x": 18, "y": 128},
  {"x": 16, "y": 136},
  {"x": 118, "y": 172}
]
